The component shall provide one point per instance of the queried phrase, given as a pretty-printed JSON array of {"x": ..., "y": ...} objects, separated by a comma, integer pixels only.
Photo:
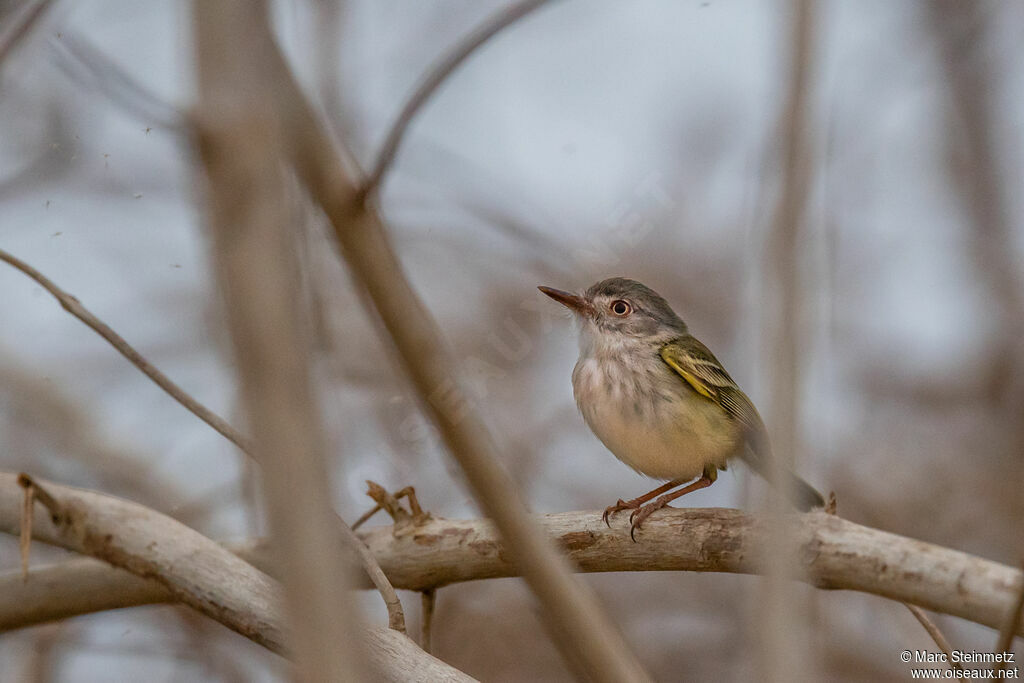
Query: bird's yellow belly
[{"x": 666, "y": 440}]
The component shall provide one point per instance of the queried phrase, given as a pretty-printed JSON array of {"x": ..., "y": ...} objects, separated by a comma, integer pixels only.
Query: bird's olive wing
[
  {"x": 698, "y": 366},
  {"x": 702, "y": 371},
  {"x": 695, "y": 363}
]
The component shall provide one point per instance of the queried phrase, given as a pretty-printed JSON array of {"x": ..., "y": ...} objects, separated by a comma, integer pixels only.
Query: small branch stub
[
  {"x": 384, "y": 500},
  {"x": 57, "y": 512},
  {"x": 32, "y": 492},
  {"x": 25, "y": 539},
  {"x": 427, "y": 602}
]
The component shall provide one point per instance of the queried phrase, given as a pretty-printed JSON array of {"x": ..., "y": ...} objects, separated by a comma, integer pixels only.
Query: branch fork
[{"x": 404, "y": 521}]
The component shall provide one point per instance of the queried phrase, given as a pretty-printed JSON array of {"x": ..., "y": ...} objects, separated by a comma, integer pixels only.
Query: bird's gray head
[{"x": 621, "y": 308}]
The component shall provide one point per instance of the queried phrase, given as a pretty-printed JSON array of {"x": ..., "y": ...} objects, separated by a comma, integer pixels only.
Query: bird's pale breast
[{"x": 649, "y": 418}]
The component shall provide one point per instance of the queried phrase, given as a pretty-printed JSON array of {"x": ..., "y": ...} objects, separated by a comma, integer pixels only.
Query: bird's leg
[
  {"x": 642, "y": 513},
  {"x": 637, "y": 502}
]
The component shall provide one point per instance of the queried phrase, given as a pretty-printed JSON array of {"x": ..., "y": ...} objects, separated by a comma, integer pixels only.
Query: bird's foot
[
  {"x": 643, "y": 512},
  {"x": 619, "y": 507}
]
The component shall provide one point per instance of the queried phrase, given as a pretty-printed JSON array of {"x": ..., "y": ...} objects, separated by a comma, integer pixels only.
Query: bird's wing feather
[{"x": 695, "y": 363}]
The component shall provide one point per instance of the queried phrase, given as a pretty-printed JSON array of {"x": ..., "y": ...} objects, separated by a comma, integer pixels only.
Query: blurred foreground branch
[
  {"x": 584, "y": 634},
  {"x": 833, "y": 554},
  {"x": 964, "y": 33},
  {"x": 783, "y": 634},
  {"x": 242, "y": 149},
  {"x": 184, "y": 565}
]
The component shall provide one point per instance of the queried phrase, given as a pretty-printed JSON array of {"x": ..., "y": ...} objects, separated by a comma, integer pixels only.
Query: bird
[{"x": 660, "y": 401}]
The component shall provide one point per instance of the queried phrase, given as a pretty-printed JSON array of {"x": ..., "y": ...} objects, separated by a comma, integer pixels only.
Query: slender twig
[
  {"x": 83, "y": 61},
  {"x": 72, "y": 305},
  {"x": 22, "y": 28},
  {"x": 365, "y": 517},
  {"x": 428, "y": 598},
  {"x": 437, "y": 75},
  {"x": 935, "y": 633},
  {"x": 396, "y": 615},
  {"x": 1011, "y": 624}
]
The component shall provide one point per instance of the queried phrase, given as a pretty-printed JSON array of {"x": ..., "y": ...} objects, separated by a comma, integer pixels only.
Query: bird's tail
[{"x": 802, "y": 495}]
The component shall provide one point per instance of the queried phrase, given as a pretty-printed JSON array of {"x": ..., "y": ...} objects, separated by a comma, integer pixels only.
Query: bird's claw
[
  {"x": 618, "y": 507},
  {"x": 636, "y": 519},
  {"x": 638, "y": 523}
]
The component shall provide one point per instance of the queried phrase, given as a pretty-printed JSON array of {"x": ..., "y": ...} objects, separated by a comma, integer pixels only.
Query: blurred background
[{"x": 591, "y": 139}]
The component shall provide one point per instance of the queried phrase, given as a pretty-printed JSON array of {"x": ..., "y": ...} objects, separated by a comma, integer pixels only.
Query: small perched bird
[{"x": 659, "y": 399}]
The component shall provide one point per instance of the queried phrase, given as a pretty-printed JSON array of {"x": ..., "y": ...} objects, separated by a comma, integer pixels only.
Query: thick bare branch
[
  {"x": 148, "y": 544},
  {"x": 834, "y": 554},
  {"x": 582, "y": 631},
  {"x": 180, "y": 564}
]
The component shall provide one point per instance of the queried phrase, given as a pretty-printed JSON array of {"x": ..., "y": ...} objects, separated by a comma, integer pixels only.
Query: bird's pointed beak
[{"x": 573, "y": 302}]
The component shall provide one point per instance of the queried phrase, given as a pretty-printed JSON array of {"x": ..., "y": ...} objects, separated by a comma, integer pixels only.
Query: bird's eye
[{"x": 621, "y": 308}]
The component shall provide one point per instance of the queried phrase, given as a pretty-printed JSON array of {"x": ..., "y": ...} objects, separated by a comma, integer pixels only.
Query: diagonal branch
[
  {"x": 181, "y": 564},
  {"x": 23, "y": 26},
  {"x": 396, "y": 617},
  {"x": 435, "y": 78},
  {"x": 89, "y": 67},
  {"x": 936, "y": 635},
  {"x": 73, "y": 306},
  {"x": 585, "y": 635}
]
